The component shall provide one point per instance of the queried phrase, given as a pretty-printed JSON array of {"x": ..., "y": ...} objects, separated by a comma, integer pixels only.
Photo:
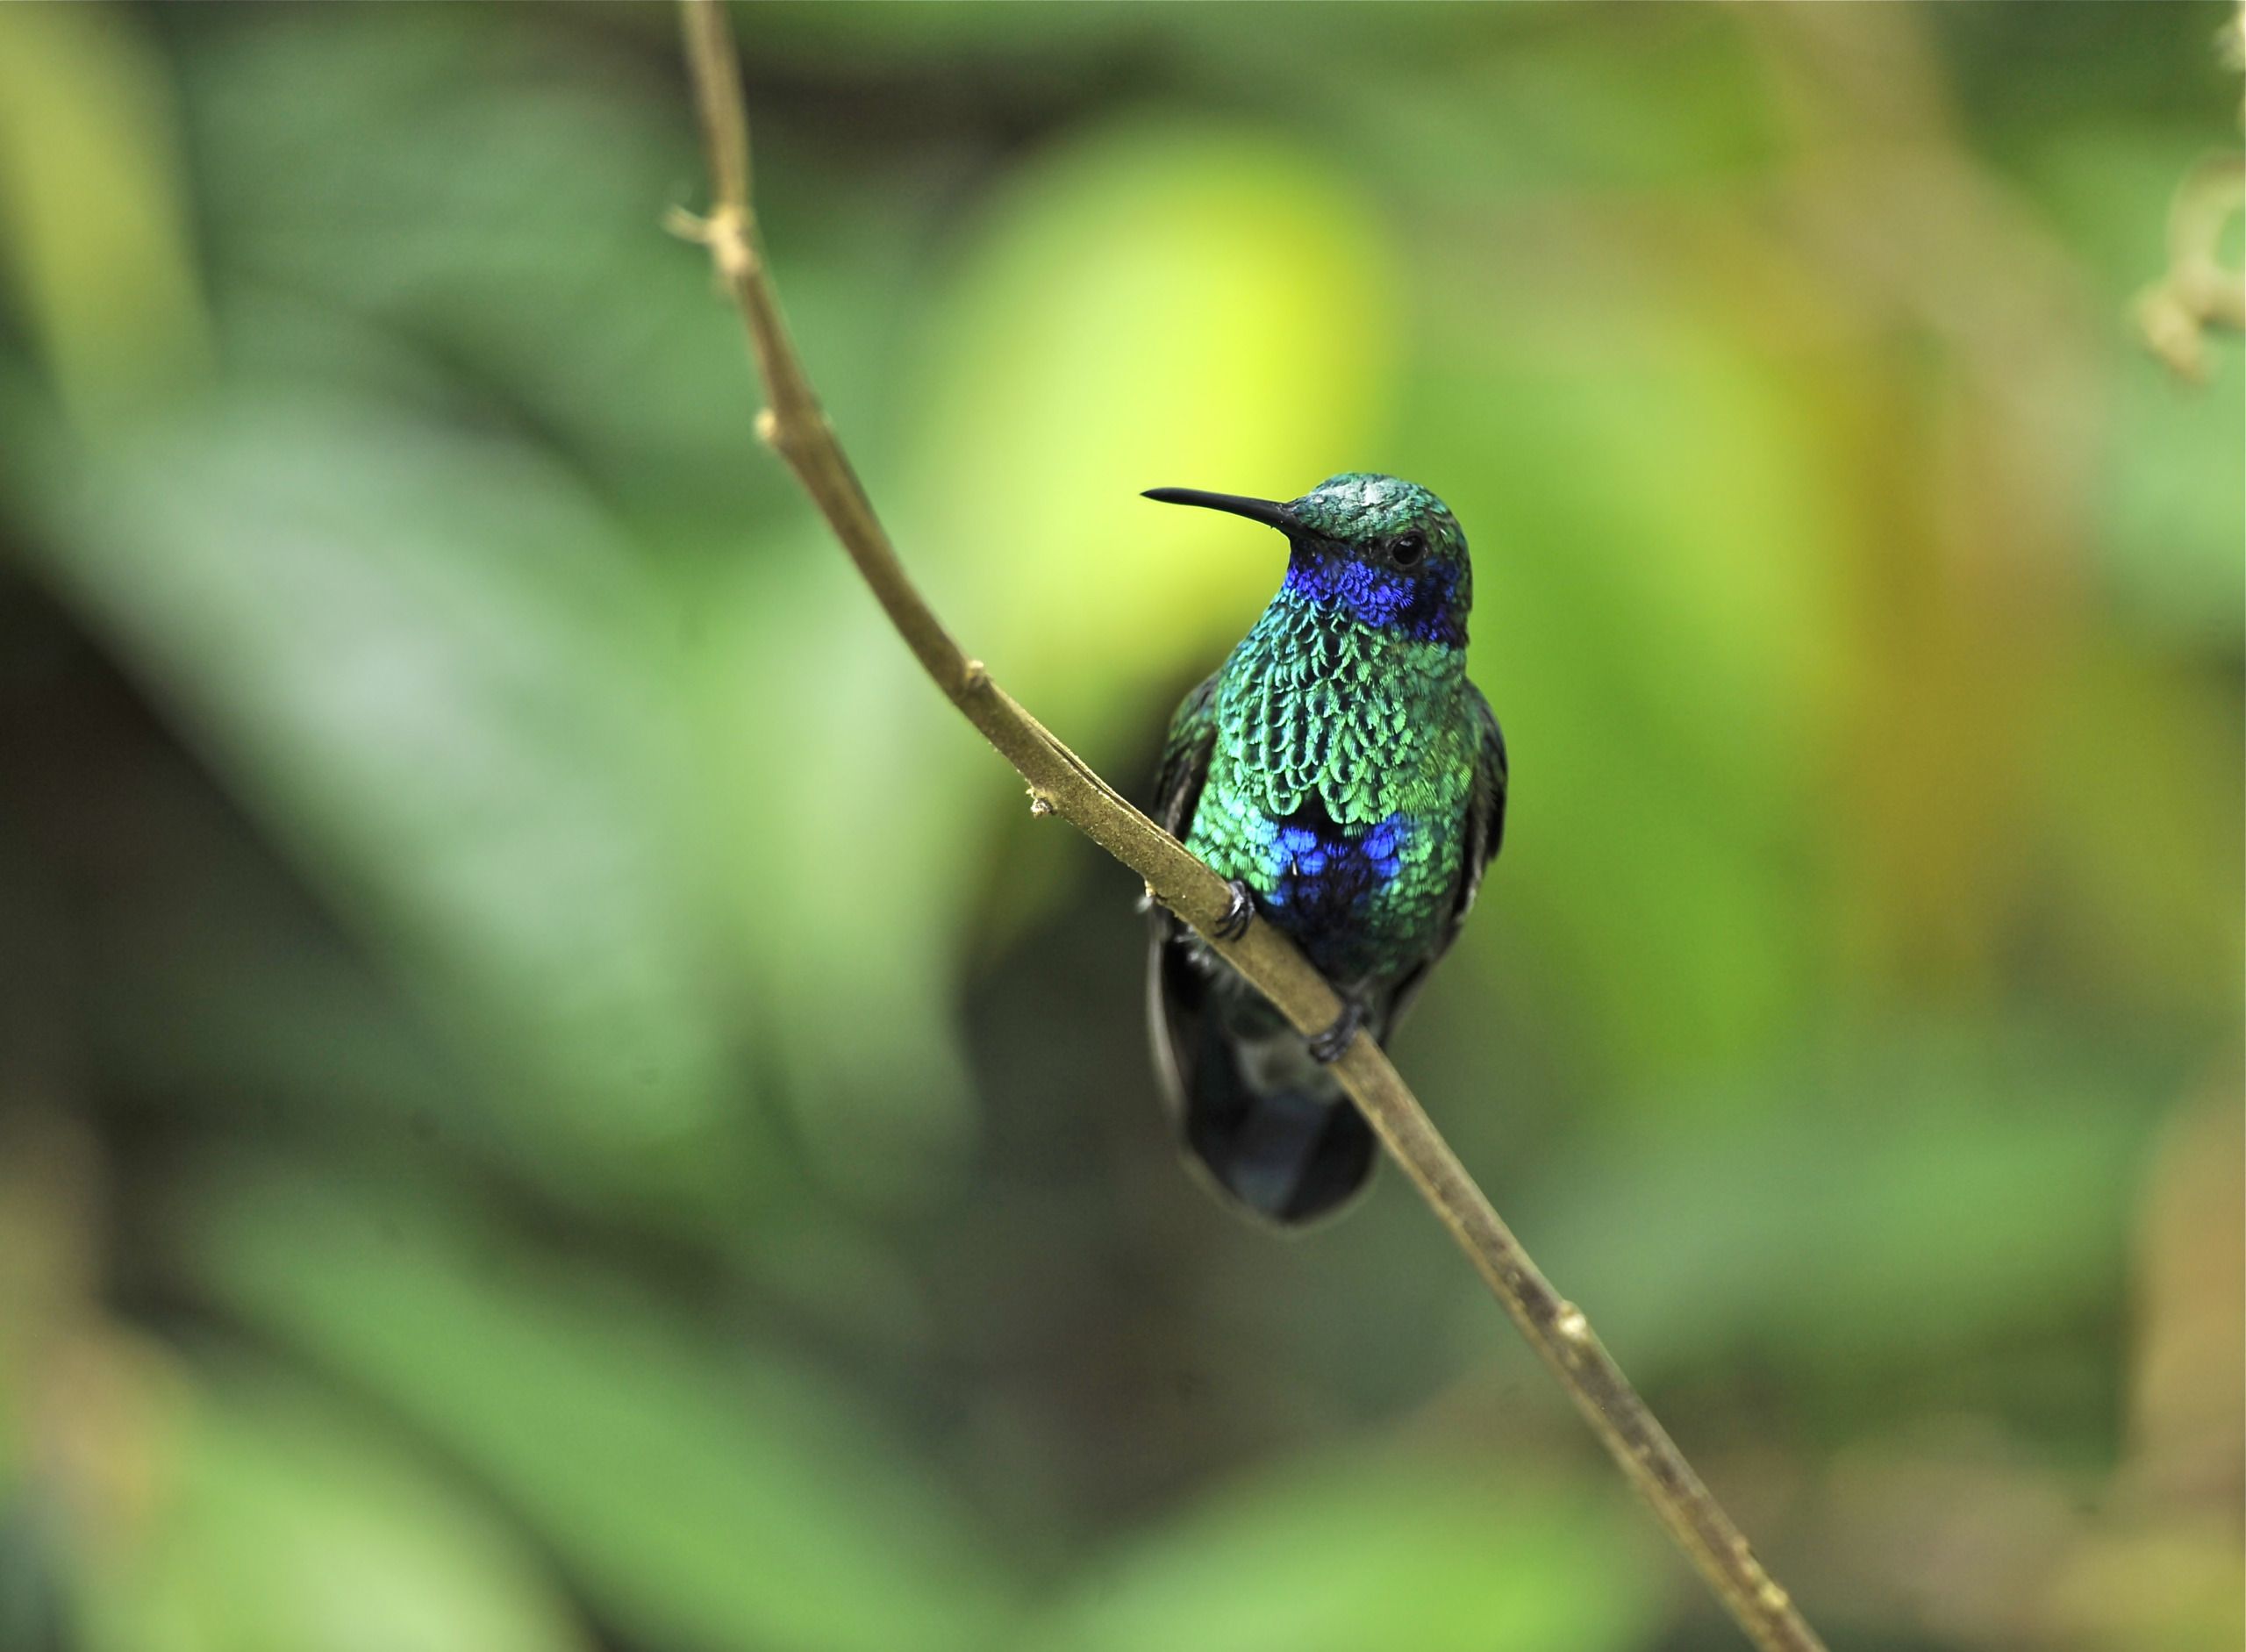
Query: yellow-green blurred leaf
[
  {"x": 1155, "y": 305},
  {"x": 1660, "y": 624},
  {"x": 93, "y": 213}
]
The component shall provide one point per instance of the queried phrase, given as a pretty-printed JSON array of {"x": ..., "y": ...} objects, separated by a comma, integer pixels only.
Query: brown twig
[{"x": 1062, "y": 784}]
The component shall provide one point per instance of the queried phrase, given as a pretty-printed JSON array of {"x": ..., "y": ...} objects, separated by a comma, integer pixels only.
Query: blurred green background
[{"x": 554, "y": 1096}]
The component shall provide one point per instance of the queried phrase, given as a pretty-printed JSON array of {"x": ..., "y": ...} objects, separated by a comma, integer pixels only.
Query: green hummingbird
[{"x": 1344, "y": 775}]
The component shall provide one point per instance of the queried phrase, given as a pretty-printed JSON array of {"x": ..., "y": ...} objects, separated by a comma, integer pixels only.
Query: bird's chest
[{"x": 1337, "y": 790}]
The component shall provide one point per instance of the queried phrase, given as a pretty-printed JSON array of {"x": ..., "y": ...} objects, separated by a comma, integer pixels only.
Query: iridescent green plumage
[{"x": 1342, "y": 771}]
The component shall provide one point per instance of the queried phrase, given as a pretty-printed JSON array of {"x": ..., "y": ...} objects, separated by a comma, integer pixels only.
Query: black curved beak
[{"x": 1270, "y": 512}]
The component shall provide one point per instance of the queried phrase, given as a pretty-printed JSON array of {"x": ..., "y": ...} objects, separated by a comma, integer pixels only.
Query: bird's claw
[
  {"x": 1237, "y": 916},
  {"x": 1328, "y": 1047}
]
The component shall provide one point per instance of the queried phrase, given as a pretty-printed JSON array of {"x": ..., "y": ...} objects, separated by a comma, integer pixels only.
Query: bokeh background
[{"x": 555, "y": 1097}]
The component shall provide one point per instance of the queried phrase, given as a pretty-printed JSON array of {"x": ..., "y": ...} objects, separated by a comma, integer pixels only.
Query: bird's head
[{"x": 1383, "y": 550}]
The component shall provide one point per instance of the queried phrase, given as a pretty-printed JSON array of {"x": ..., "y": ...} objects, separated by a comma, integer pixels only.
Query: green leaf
[
  {"x": 273, "y": 1523},
  {"x": 486, "y": 189},
  {"x": 423, "y": 660},
  {"x": 852, "y": 797},
  {"x": 1434, "y": 1555},
  {"x": 1931, "y": 1204},
  {"x": 700, "y": 1498},
  {"x": 1661, "y": 626}
]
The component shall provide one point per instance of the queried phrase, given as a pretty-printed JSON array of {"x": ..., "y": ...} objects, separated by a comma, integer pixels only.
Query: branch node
[
  {"x": 730, "y": 243},
  {"x": 974, "y": 678}
]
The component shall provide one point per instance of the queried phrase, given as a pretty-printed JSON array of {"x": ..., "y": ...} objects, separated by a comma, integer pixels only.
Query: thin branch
[
  {"x": 1062, "y": 783},
  {"x": 2197, "y": 295}
]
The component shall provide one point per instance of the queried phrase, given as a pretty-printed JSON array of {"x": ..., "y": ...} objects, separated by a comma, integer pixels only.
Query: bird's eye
[{"x": 1409, "y": 550}]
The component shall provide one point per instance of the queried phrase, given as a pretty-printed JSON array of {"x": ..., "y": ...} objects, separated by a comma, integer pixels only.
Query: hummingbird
[{"x": 1342, "y": 774}]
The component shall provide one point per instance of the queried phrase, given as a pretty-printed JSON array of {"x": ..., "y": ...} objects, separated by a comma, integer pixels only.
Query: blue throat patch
[{"x": 1387, "y": 599}]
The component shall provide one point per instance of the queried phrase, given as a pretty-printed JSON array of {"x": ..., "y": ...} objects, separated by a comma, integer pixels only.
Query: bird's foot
[
  {"x": 1328, "y": 1047},
  {"x": 1237, "y": 916}
]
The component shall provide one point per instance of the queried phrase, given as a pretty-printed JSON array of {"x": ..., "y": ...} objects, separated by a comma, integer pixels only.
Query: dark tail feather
[{"x": 1291, "y": 1153}]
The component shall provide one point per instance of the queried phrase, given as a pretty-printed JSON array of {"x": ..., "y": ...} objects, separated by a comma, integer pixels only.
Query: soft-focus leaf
[
  {"x": 426, "y": 661},
  {"x": 702, "y": 1500},
  {"x": 906, "y": 32},
  {"x": 1152, "y": 306},
  {"x": 850, "y": 793},
  {"x": 1920, "y": 1206},
  {"x": 2142, "y": 825},
  {"x": 1438, "y": 1556},
  {"x": 93, "y": 228},
  {"x": 1667, "y": 658},
  {"x": 452, "y": 179},
  {"x": 2175, "y": 496},
  {"x": 272, "y": 1524}
]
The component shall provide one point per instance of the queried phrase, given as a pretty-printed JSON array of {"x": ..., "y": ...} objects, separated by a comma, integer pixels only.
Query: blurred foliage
[{"x": 552, "y": 1095}]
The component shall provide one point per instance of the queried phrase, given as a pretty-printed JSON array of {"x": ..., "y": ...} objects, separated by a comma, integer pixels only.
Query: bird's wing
[
  {"x": 1175, "y": 990},
  {"x": 1185, "y": 758},
  {"x": 1485, "y": 830},
  {"x": 1486, "y": 809}
]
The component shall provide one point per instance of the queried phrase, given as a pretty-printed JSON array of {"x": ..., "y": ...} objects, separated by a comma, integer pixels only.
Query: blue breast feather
[{"x": 1323, "y": 883}]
